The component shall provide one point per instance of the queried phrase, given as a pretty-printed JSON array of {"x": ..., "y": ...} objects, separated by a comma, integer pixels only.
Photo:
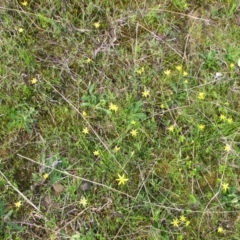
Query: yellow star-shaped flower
[
  {"x": 162, "y": 106},
  {"x": 88, "y": 60},
  {"x": 227, "y": 148},
  {"x": 146, "y": 93},
  {"x": 84, "y": 113},
  {"x": 121, "y": 179},
  {"x": 171, "y": 128},
  {"x": 134, "y": 132},
  {"x": 85, "y": 130},
  {"x": 116, "y": 149},
  {"x": 45, "y": 176},
  {"x": 185, "y": 73},
  {"x": 34, "y": 81},
  {"x": 141, "y": 70},
  {"x": 83, "y": 201},
  {"x": 201, "y": 126},
  {"x": 175, "y": 222},
  {"x": 113, "y": 107},
  {"x": 20, "y": 30},
  {"x": 222, "y": 117},
  {"x": 187, "y": 223},
  {"x": 201, "y": 96},
  {"x": 220, "y": 230},
  {"x": 167, "y": 72},
  {"x": 24, "y": 3},
  {"x": 179, "y": 68},
  {"x": 96, "y": 24},
  {"x": 183, "y": 218},
  {"x": 96, "y": 153},
  {"x": 230, "y": 120},
  {"x": 225, "y": 187},
  {"x": 18, "y": 204}
]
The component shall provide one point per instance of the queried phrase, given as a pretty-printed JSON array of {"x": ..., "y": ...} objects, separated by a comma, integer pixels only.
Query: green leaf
[
  {"x": 86, "y": 104},
  {"x": 104, "y": 110},
  {"x": 141, "y": 116}
]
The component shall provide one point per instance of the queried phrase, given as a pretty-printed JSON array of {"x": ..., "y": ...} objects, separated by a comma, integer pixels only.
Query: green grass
[{"x": 60, "y": 74}]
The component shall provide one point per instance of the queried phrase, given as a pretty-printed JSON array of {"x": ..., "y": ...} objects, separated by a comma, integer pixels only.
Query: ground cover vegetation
[{"x": 119, "y": 119}]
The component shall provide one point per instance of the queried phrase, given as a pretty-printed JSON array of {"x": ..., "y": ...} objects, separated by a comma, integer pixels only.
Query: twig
[{"x": 19, "y": 192}]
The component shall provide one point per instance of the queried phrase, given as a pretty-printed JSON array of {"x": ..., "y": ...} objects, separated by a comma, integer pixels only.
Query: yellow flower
[
  {"x": 167, "y": 72},
  {"x": 146, "y": 93},
  {"x": 24, "y": 3},
  {"x": 162, "y": 106},
  {"x": 175, "y": 222},
  {"x": 228, "y": 148},
  {"x": 34, "y": 81},
  {"x": 83, "y": 201},
  {"x": 134, "y": 132},
  {"x": 187, "y": 223},
  {"x": 20, "y": 30},
  {"x": 18, "y": 204},
  {"x": 201, "y": 95},
  {"x": 183, "y": 218},
  {"x": 201, "y": 126},
  {"x": 121, "y": 179},
  {"x": 179, "y": 68},
  {"x": 96, "y": 153},
  {"x": 232, "y": 65},
  {"x": 230, "y": 120},
  {"x": 84, "y": 113},
  {"x": 185, "y": 73},
  {"x": 85, "y": 130},
  {"x": 222, "y": 117},
  {"x": 96, "y": 24},
  {"x": 133, "y": 122},
  {"x": 225, "y": 187},
  {"x": 185, "y": 81},
  {"x": 116, "y": 148},
  {"x": 171, "y": 128},
  {"x": 141, "y": 70},
  {"x": 88, "y": 60},
  {"x": 220, "y": 230},
  {"x": 45, "y": 176},
  {"x": 113, "y": 107}
]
